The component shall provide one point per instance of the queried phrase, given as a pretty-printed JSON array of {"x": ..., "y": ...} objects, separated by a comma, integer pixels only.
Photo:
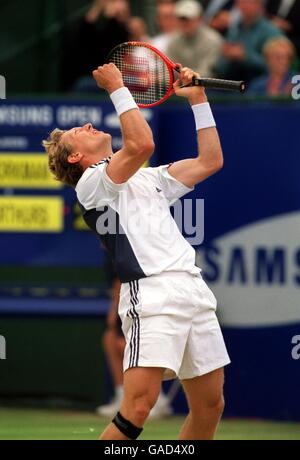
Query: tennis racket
[{"x": 149, "y": 74}]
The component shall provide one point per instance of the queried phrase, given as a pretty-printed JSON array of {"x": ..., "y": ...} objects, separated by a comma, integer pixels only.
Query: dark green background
[
  {"x": 31, "y": 38},
  {"x": 53, "y": 360}
]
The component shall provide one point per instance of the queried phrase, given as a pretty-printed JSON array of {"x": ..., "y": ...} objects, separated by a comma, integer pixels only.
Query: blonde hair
[
  {"x": 273, "y": 43},
  {"x": 58, "y": 152}
]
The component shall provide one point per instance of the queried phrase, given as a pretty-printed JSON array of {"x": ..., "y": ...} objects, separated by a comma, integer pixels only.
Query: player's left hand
[{"x": 195, "y": 94}]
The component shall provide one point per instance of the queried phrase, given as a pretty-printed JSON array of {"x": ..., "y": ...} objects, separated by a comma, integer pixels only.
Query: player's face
[{"x": 88, "y": 141}]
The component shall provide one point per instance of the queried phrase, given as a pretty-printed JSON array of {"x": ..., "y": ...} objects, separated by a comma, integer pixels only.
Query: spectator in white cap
[{"x": 194, "y": 44}]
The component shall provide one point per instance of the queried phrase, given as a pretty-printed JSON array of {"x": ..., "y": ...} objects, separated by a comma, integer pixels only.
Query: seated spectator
[
  {"x": 220, "y": 14},
  {"x": 94, "y": 11},
  {"x": 279, "y": 54},
  {"x": 166, "y": 21},
  {"x": 285, "y": 14},
  {"x": 87, "y": 46},
  {"x": 194, "y": 44},
  {"x": 242, "y": 57},
  {"x": 137, "y": 28}
]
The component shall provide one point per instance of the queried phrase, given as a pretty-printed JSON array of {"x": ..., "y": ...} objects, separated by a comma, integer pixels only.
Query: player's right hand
[{"x": 108, "y": 77}]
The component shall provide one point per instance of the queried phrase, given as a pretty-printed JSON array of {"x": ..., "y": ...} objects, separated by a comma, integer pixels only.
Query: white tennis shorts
[{"x": 169, "y": 321}]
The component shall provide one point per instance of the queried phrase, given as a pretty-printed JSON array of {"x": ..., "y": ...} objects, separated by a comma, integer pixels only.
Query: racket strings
[{"x": 144, "y": 73}]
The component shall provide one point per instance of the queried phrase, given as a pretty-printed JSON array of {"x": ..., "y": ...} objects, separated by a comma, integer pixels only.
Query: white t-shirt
[{"x": 134, "y": 221}]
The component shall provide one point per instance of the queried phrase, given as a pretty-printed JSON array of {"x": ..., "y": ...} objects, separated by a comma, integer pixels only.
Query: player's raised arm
[
  {"x": 138, "y": 144},
  {"x": 210, "y": 157}
]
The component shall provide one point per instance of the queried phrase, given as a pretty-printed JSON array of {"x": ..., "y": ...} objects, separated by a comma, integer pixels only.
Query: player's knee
[
  {"x": 213, "y": 407},
  {"x": 138, "y": 409},
  {"x": 219, "y": 406},
  {"x": 216, "y": 405},
  {"x": 143, "y": 405},
  {"x": 141, "y": 411}
]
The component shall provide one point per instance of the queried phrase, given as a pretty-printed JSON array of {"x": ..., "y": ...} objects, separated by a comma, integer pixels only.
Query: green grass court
[{"x": 28, "y": 424}]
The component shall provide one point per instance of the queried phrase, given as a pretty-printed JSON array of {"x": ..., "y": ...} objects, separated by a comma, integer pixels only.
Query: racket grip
[{"x": 216, "y": 83}]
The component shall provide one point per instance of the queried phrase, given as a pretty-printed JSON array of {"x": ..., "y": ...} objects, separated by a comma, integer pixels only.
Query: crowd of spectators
[{"x": 253, "y": 40}]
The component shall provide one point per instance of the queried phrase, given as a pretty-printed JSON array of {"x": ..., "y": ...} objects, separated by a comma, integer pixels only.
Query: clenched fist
[
  {"x": 195, "y": 94},
  {"x": 108, "y": 77}
]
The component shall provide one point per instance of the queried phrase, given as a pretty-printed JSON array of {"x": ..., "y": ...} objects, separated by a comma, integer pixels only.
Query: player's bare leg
[
  {"x": 114, "y": 350},
  {"x": 141, "y": 390},
  {"x": 206, "y": 404}
]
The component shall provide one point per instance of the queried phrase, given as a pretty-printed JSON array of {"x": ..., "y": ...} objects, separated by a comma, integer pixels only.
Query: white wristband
[
  {"x": 123, "y": 100},
  {"x": 203, "y": 116}
]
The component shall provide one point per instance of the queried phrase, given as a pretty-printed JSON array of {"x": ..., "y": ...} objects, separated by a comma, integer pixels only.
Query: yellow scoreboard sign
[
  {"x": 28, "y": 170},
  {"x": 31, "y": 214}
]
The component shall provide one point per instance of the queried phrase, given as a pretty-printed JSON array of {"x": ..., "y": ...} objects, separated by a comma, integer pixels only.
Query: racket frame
[{"x": 172, "y": 68}]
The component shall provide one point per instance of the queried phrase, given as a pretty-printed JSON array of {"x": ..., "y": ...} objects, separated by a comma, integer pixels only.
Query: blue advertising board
[
  {"x": 251, "y": 251},
  {"x": 250, "y": 255}
]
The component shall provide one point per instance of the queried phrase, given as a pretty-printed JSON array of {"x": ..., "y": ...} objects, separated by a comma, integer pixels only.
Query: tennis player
[{"x": 167, "y": 310}]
